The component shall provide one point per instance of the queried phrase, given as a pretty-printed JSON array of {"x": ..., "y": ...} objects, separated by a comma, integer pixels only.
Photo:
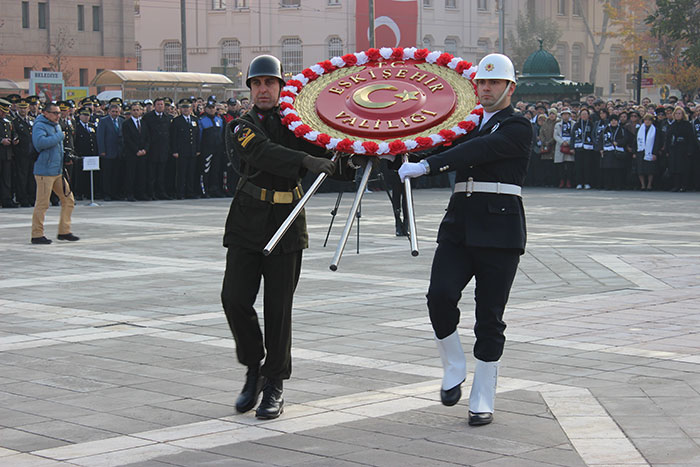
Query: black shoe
[
  {"x": 477, "y": 419},
  {"x": 26, "y": 205},
  {"x": 10, "y": 204},
  {"x": 41, "y": 241},
  {"x": 450, "y": 397},
  {"x": 68, "y": 237},
  {"x": 251, "y": 390},
  {"x": 272, "y": 404}
]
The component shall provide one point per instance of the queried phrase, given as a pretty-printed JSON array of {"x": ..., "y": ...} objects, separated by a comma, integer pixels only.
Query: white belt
[{"x": 471, "y": 186}]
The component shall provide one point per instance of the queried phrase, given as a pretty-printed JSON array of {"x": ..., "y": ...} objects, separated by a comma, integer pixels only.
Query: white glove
[{"x": 411, "y": 170}]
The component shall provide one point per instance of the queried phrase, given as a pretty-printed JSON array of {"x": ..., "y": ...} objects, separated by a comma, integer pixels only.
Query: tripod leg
[
  {"x": 333, "y": 213},
  {"x": 412, "y": 235}
]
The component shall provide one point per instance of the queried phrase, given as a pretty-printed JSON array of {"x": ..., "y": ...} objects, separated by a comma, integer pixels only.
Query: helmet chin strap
[{"x": 496, "y": 105}]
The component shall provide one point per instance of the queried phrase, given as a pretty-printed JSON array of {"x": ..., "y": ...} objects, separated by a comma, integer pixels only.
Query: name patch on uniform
[
  {"x": 245, "y": 136},
  {"x": 495, "y": 127}
]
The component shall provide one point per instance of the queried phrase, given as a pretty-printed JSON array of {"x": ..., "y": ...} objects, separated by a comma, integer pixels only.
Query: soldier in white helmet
[{"x": 481, "y": 236}]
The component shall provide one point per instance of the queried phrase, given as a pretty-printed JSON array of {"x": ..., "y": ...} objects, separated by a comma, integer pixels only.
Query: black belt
[{"x": 272, "y": 196}]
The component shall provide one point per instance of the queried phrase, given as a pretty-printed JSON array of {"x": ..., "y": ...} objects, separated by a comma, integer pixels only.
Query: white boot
[
  {"x": 454, "y": 365},
  {"x": 483, "y": 393}
]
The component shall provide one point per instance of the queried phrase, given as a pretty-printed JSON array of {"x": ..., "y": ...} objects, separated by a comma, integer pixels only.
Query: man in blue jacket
[{"x": 47, "y": 138}]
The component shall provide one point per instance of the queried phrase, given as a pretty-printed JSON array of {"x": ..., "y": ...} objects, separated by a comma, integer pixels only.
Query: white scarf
[{"x": 645, "y": 141}]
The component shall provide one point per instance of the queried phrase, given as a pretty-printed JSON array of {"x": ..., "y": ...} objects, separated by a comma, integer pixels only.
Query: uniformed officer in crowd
[
  {"x": 481, "y": 236},
  {"x": 211, "y": 132},
  {"x": 184, "y": 146},
  {"x": 85, "y": 144},
  {"x": 13, "y": 99},
  {"x": 136, "y": 153},
  {"x": 8, "y": 138},
  {"x": 68, "y": 127},
  {"x": 25, "y": 187},
  {"x": 110, "y": 143},
  {"x": 273, "y": 161},
  {"x": 34, "y": 111},
  {"x": 157, "y": 127}
]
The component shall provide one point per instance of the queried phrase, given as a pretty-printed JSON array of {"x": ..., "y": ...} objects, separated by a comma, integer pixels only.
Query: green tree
[
  {"x": 528, "y": 31},
  {"x": 678, "y": 21}
]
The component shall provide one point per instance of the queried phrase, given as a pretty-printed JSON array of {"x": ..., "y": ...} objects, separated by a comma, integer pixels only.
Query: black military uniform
[
  {"x": 615, "y": 140},
  {"x": 85, "y": 144},
  {"x": 135, "y": 140},
  {"x": 184, "y": 141},
  {"x": 7, "y": 138},
  {"x": 68, "y": 127},
  {"x": 212, "y": 151},
  {"x": 272, "y": 164},
  {"x": 157, "y": 127},
  {"x": 24, "y": 154}
]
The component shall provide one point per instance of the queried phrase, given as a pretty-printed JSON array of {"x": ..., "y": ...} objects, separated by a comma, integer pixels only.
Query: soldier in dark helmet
[{"x": 272, "y": 163}]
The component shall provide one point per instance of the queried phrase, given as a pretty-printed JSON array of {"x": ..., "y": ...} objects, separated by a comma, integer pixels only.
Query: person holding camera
[{"x": 47, "y": 138}]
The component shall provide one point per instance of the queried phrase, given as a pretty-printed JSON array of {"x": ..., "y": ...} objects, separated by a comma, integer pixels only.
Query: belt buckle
[
  {"x": 470, "y": 186},
  {"x": 283, "y": 197}
]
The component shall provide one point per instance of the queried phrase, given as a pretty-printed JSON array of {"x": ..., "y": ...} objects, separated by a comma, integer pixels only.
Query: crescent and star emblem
[{"x": 362, "y": 96}]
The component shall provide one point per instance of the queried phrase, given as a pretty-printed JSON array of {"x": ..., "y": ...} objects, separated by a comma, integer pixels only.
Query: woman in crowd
[
  {"x": 648, "y": 149},
  {"x": 614, "y": 160},
  {"x": 585, "y": 156},
  {"x": 564, "y": 153},
  {"x": 681, "y": 141}
]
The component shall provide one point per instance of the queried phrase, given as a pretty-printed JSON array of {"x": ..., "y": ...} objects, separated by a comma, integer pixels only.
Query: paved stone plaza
[{"x": 114, "y": 350}]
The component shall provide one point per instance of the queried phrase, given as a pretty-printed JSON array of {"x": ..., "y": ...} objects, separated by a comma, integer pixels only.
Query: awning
[{"x": 133, "y": 78}]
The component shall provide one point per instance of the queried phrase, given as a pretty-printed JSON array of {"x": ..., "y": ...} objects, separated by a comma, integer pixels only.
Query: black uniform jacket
[
  {"x": 499, "y": 152},
  {"x": 158, "y": 130},
  {"x": 270, "y": 158},
  {"x": 85, "y": 140},
  {"x": 184, "y": 137},
  {"x": 23, "y": 128},
  {"x": 134, "y": 140}
]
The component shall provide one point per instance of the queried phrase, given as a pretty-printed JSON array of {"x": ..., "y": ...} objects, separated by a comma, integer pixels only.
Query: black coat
[
  {"x": 499, "y": 152},
  {"x": 85, "y": 140},
  {"x": 158, "y": 133},
  {"x": 184, "y": 137},
  {"x": 270, "y": 158},
  {"x": 134, "y": 140},
  {"x": 23, "y": 129},
  {"x": 680, "y": 141}
]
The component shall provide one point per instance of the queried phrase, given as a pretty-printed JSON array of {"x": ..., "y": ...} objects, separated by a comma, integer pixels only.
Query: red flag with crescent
[{"x": 395, "y": 23}]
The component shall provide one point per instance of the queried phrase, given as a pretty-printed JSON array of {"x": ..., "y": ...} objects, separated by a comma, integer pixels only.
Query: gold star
[{"x": 406, "y": 95}]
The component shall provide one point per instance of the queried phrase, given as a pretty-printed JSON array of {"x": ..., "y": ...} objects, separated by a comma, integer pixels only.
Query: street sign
[{"x": 647, "y": 82}]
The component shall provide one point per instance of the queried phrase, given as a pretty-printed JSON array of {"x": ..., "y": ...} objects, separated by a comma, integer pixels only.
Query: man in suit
[
  {"x": 482, "y": 235},
  {"x": 135, "y": 155},
  {"x": 157, "y": 127},
  {"x": 110, "y": 143},
  {"x": 184, "y": 146}
]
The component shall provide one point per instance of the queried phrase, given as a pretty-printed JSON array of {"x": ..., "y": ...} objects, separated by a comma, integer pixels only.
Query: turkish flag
[{"x": 395, "y": 23}]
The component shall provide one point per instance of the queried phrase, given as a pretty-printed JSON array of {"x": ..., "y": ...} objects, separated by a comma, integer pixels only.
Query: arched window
[
  {"x": 172, "y": 56},
  {"x": 137, "y": 47},
  {"x": 335, "y": 47},
  {"x": 428, "y": 42},
  {"x": 231, "y": 52},
  {"x": 482, "y": 48},
  {"x": 451, "y": 46},
  {"x": 577, "y": 62},
  {"x": 292, "y": 56},
  {"x": 561, "y": 55}
]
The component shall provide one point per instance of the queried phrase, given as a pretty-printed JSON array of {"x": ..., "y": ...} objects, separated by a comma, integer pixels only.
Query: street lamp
[{"x": 642, "y": 67}]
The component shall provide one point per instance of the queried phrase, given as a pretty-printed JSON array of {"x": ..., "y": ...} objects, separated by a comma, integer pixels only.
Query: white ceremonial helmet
[{"x": 496, "y": 66}]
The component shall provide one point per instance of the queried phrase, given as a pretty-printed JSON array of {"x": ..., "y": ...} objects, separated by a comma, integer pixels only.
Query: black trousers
[
  {"x": 494, "y": 269},
  {"x": 156, "y": 177},
  {"x": 186, "y": 175},
  {"x": 587, "y": 165},
  {"x": 244, "y": 269},
  {"x": 136, "y": 174},
  {"x": 5, "y": 181},
  {"x": 112, "y": 176},
  {"x": 25, "y": 188}
]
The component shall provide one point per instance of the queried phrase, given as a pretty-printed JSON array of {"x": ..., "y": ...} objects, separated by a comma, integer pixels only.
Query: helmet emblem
[{"x": 489, "y": 67}]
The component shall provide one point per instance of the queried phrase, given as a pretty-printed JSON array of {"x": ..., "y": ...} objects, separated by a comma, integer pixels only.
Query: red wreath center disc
[{"x": 386, "y": 101}]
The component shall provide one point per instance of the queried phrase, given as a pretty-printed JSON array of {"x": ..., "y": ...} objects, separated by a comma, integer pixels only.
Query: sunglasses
[{"x": 55, "y": 112}]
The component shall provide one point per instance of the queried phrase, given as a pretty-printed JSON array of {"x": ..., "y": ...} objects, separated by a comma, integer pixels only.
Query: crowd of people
[
  {"x": 159, "y": 149},
  {"x": 614, "y": 145},
  {"x": 151, "y": 149}
]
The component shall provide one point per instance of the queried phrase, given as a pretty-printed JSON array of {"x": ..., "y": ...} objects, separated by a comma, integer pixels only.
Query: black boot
[
  {"x": 272, "y": 403},
  {"x": 251, "y": 389},
  {"x": 400, "y": 227}
]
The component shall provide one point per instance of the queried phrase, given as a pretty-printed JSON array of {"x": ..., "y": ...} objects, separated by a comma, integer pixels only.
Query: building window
[
  {"x": 172, "y": 56},
  {"x": 25, "y": 15},
  {"x": 577, "y": 62},
  {"x": 240, "y": 4},
  {"x": 95, "y": 18},
  {"x": 482, "y": 46},
  {"x": 42, "y": 15},
  {"x": 451, "y": 4},
  {"x": 83, "y": 73},
  {"x": 579, "y": 8},
  {"x": 561, "y": 7},
  {"x": 137, "y": 50},
  {"x": 292, "y": 56},
  {"x": 218, "y": 4},
  {"x": 81, "y": 17},
  {"x": 617, "y": 71},
  {"x": 333, "y": 2},
  {"x": 427, "y": 3},
  {"x": 290, "y": 3},
  {"x": 451, "y": 46},
  {"x": 335, "y": 47},
  {"x": 560, "y": 55},
  {"x": 137, "y": 7},
  {"x": 27, "y": 72},
  {"x": 230, "y": 52},
  {"x": 482, "y": 5}
]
